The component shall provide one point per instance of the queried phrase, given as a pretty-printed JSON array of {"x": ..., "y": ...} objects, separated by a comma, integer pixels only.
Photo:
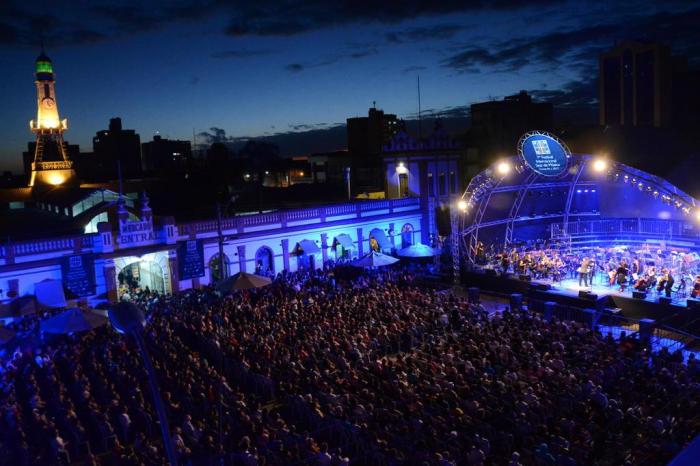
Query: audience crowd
[{"x": 322, "y": 369}]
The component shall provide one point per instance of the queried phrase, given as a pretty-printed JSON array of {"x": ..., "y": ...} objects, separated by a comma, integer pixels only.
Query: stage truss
[{"x": 483, "y": 186}]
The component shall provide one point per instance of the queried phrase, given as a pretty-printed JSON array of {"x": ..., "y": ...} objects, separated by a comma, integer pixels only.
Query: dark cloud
[
  {"x": 438, "y": 32},
  {"x": 330, "y": 60},
  {"x": 215, "y": 135},
  {"x": 309, "y": 127},
  {"x": 413, "y": 69},
  {"x": 295, "y": 67},
  {"x": 579, "y": 48},
  {"x": 583, "y": 93},
  {"x": 239, "y": 53},
  {"x": 288, "y": 17}
]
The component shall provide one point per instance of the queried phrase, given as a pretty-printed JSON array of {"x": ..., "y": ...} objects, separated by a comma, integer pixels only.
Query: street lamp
[
  {"x": 127, "y": 318},
  {"x": 455, "y": 208}
]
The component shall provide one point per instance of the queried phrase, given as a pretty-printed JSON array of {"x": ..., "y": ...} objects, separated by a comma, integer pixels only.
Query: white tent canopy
[
  {"x": 374, "y": 259},
  {"x": 417, "y": 250},
  {"x": 49, "y": 293}
]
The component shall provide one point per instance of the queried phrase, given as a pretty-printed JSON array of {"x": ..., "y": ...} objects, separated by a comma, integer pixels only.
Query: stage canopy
[{"x": 547, "y": 194}]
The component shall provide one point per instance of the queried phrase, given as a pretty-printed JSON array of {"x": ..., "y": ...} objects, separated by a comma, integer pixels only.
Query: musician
[
  {"x": 583, "y": 271},
  {"x": 621, "y": 275},
  {"x": 612, "y": 269},
  {"x": 696, "y": 288},
  {"x": 642, "y": 284},
  {"x": 505, "y": 262},
  {"x": 591, "y": 271},
  {"x": 665, "y": 283},
  {"x": 636, "y": 269}
]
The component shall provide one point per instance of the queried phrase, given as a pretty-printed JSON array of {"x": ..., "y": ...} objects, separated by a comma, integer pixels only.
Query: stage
[
  {"x": 599, "y": 287},
  {"x": 681, "y": 313}
]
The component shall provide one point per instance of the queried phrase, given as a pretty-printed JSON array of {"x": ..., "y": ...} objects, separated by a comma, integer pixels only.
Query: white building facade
[{"x": 143, "y": 251}]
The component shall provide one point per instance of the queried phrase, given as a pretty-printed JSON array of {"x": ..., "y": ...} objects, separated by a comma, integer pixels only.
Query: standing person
[
  {"x": 591, "y": 271},
  {"x": 621, "y": 275},
  {"x": 583, "y": 272},
  {"x": 669, "y": 284}
]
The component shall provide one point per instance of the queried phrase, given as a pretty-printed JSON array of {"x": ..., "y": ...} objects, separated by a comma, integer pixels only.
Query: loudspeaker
[
  {"x": 664, "y": 300},
  {"x": 490, "y": 272},
  {"x": 541, "y": 286},
  {"x": 693, "y": 303},
  {"x": 639, "y": 294},
  {"x": 587, "y": 295},
  {"x": 525, "y": 278}
]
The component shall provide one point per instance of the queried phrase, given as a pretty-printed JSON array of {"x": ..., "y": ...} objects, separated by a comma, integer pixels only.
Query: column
[
  {"x": 360, "y": 246},
  {"x": 285, "y": 254},
  {"x": 324, "y": 247},
  {"x": 241, "y": 258},
  {"x": 110, "y": 276},
  {"x": 392, "y": 236},
  {"x": 174, "y": 275}
]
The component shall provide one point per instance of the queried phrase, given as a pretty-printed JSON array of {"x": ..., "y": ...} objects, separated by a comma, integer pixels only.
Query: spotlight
[
  {"x": 600, "y": 165},
  {"x": 697, "y": 215},
  {"x": 503, "y": 168},
  {"x": 462, "y": 205}
]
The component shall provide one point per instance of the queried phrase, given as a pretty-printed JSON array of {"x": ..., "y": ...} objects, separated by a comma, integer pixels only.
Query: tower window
[{"x": 47, "y": 90}]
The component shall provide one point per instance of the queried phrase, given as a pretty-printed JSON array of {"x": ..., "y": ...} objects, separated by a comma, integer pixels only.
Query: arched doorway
[
  {"x": 215, "y": 269},
  {"x": 378, "y": 240},
  {"x": 141, "y": 275},
  {"x": 264, "y": 261},
  {"x": 406, "y": 235}
]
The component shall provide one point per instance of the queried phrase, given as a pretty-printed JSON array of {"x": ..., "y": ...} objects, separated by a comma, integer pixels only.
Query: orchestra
[{"x": 642, "y": 270}]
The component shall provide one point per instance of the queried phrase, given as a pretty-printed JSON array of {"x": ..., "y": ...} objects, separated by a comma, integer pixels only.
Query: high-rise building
[
  {"x": 367, "y": 135},
  {"x": 166, "y": 154},
  {"x": 117, "y": 145},
  {"x": 51, "y": 163},
  {"x": 635, "y": 85},
  {"x": 497, "y": 125}
]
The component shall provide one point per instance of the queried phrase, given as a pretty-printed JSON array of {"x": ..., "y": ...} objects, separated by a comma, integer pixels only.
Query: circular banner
[{"x": 544, "y": 154}]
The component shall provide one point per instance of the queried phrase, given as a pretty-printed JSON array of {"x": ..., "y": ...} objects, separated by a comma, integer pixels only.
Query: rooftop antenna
[
  {"x": 419, "y": 110},
  {"x": 374, "y": 104}
]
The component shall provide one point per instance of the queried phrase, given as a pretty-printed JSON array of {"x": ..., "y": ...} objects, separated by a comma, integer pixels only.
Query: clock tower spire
[{"x": 51, "y": 165}]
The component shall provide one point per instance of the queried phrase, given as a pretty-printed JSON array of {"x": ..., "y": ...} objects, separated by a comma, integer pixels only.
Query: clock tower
[{"x": 51, "y": 165}]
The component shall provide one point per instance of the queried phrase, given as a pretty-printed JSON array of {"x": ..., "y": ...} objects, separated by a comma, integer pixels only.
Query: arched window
[
  {"x": 215, "y": 269},
  {"x": 264, "y": 261},
  {"x": 406, "y": 235}
]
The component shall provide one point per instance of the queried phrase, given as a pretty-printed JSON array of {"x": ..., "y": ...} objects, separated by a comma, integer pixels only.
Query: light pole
[
  {"x": 223, "y": 268},
  {"x": 455, "y": 209},
  {"x": 347, "y": 182},
  {"x": 127, "y": 318}
]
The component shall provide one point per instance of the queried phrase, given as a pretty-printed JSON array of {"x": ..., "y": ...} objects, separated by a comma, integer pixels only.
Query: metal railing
[{"x": 628, "y": 226}]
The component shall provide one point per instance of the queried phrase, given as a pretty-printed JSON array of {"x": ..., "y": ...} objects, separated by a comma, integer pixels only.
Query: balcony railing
[
  {"x": 49, "y": 245},
  {"x": 281, "y": 218}
]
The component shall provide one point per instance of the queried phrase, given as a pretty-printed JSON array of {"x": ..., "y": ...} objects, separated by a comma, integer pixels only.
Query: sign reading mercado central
[{"x": 544, "y": 153}]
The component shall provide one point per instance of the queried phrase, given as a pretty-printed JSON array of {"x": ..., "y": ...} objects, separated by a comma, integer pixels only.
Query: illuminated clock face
[{"x": 48, "y": 102}]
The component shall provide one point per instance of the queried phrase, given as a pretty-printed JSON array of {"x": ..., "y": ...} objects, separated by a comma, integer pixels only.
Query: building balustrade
[
  {"x": 357, "y": 209},
  {"x": 273, "y": 219}
]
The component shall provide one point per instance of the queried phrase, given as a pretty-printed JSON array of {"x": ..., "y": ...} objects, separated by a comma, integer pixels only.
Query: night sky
[{"x": 256, "y": 68}]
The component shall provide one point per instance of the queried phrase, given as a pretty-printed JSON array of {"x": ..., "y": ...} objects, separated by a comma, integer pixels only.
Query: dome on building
[{"x": 43, "y": 64}]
